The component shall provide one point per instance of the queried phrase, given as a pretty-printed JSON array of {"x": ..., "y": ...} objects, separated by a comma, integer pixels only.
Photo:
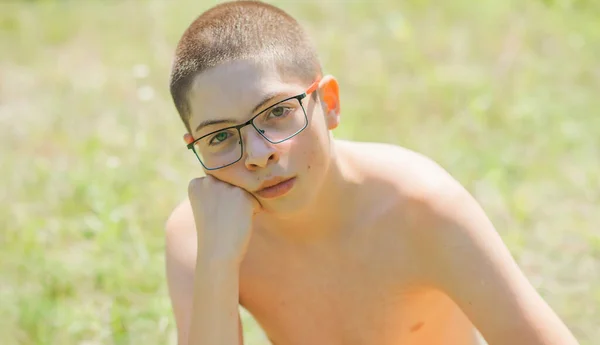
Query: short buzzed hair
[{"x": 240, "y": 30}]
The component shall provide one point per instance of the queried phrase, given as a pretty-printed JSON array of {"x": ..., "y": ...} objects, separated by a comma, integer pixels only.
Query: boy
[{"x": 323, "y": 241}]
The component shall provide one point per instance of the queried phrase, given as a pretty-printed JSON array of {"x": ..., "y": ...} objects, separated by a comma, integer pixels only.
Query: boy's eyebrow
[
  {"x": 264, "y": 100},
  {"x": 212, "y": 122}
]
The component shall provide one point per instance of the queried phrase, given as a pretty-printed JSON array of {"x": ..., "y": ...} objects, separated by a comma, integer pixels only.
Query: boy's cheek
[{"x": 232, "y": 175}]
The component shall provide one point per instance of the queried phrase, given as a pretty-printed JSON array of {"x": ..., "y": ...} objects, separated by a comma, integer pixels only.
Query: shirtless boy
[{"x": 323, "y": 241}]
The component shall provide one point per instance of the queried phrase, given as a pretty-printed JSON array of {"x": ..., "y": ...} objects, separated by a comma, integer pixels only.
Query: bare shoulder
[
  {"x": 415, "y": 176},
  {"x": 461, "y": 252},
  {"x": 434, "y": 204},
  {"x": 439, "y": 216},
  {"x": 180, "y": 263},
  {"x": 180, "y": 236},
  {"x": 428, "y": 201}
]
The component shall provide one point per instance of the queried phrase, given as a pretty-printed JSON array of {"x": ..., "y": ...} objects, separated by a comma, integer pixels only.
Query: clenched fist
[{"x": 223, "y": 216}]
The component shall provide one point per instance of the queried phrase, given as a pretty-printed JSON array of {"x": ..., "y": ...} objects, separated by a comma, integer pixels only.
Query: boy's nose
[{"x": 259, "y": 152}]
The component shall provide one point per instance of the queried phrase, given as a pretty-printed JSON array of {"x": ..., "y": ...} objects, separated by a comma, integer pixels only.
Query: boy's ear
[
  {"x": 330, "y": 94},
  {"x": 187, "y": 137}
]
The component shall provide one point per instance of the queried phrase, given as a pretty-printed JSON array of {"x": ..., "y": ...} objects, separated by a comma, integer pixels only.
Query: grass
[{"x": 503, "y": 94}]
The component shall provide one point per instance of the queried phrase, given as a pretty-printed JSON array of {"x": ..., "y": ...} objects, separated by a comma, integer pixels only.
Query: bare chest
[{"x": 361, "y": 296}]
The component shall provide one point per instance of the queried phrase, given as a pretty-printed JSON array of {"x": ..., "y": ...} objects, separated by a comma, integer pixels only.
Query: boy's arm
[
  {"x": 465, "y": 257},
  {"x": 184, "y": 276}
]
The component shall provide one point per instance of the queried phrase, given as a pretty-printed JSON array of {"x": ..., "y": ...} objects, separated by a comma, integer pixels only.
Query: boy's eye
[
  {"x": 218, "y": 138},
  {"x": 279, "y": 111}
]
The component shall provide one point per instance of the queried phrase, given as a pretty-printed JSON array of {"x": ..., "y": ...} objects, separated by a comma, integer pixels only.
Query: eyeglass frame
[{"x": 239, "y": 127}]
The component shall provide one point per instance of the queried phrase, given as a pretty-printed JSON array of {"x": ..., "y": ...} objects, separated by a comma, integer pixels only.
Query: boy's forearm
[{"x": 214, "y": 319}]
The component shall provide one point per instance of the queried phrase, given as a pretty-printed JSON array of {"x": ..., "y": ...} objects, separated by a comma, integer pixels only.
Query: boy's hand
[{"x": 223, "y": 216}]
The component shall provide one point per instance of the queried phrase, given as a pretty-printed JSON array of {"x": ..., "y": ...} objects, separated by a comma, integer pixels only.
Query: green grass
[{"x": 503, "y": 94}]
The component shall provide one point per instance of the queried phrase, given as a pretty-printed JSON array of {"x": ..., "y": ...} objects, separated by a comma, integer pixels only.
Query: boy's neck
[{"x": 327, "y": 215}]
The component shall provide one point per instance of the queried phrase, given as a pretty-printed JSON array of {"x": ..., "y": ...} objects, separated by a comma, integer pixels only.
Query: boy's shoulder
[
  {"x": 414, "y": 177},
  {"x": 430, "y": 207},
  {"x": 180, "y": 237},
  {"x": 459, "y": 249}
]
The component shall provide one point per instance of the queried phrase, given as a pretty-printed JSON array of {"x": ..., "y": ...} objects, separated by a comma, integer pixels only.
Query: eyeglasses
[{"x": 278, "y": 123}]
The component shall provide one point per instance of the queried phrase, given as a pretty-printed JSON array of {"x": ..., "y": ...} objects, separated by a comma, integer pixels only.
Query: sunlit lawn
[{"x": 504, "y": 94}]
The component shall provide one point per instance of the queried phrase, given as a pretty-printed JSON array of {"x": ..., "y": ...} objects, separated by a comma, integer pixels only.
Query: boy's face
[{"x": 231, "y": 94}]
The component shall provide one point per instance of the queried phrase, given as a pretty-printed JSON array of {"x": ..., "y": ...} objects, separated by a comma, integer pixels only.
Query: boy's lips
[{"x": 275, "y": 187}]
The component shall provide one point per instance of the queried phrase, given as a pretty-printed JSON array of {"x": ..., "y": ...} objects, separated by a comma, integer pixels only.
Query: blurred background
[{"x": 504, "y": 94}]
